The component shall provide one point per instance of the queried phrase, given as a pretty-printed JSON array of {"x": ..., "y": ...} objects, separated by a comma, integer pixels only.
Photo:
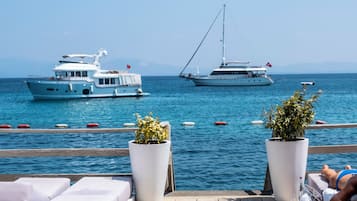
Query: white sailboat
[{"x": 230, "y": 73}]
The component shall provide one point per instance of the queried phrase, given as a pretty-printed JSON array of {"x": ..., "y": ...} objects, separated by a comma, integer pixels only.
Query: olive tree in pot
[
  {"x": 149, "y": 158},
  {"x": 288, "y": 148}
]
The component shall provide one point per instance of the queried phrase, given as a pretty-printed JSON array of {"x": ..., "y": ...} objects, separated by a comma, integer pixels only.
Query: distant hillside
[
  {"x": 144, "y": 68},
  {"x": 25, "y": 68},
  {"x": 29, "y": 68},
  {"x": 309, "y": 68}
]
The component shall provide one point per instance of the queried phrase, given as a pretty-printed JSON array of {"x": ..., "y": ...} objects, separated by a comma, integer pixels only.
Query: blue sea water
[{"x": 205, "y": 156}]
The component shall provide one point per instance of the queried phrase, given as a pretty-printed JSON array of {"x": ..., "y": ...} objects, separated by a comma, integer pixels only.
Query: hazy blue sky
[{"x": 159, "y": 36}]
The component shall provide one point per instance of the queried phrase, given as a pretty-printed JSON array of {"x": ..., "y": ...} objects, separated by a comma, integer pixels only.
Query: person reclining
[{"x": 345, "y": 181}]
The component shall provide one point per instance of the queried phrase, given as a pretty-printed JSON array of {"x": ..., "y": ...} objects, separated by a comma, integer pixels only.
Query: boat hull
[
  {"x": 54, "y": 89},
  {"x": 254, "y": 81}
]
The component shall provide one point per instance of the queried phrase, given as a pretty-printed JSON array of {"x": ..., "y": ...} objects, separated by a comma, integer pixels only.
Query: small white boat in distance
[
  {"x": 75, "y": 77},
  {"x": 307, "y": 83}
]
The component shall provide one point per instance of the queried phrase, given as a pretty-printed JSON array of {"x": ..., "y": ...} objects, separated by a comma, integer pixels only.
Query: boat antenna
[
  {"x": 101, "y": 52},
  {"x": 223, "y": 42},
  {"x": 203, "y": 39}
]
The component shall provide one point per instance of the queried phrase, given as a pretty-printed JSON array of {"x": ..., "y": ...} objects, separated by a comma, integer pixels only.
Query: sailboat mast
[
  {"x": 223, "y": 42},
  {"x": 203, "y": 39}
]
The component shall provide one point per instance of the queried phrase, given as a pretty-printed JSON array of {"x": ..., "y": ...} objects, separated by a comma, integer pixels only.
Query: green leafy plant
[
  {"x": 150, "y": 130},
  {"x": 289, "y": 120}
]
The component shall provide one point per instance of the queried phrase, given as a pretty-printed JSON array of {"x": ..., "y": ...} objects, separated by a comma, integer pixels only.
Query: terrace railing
[
  {"x": 77, "y": 152},
  {"x": 124, "y": 152}
]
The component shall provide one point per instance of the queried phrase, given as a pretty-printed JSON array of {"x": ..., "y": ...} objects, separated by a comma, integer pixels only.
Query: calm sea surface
[{"x": 205, "y": 156}]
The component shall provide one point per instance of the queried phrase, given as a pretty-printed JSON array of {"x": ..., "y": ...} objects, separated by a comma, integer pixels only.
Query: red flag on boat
[
  {"x": 268, "y": 64},
  {"x": 128, "y": 66}
]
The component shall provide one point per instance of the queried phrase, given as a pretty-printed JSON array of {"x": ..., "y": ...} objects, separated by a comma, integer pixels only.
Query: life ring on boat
[
  {"x": 23, "y": 126},
  {"x": 92, "y": 125},
  {"x": 5, "y": 126},
  {"x": 220, "y": 123}
]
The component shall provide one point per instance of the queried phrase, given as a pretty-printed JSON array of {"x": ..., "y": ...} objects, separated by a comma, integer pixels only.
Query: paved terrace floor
[{"x": 218, "y": 196}]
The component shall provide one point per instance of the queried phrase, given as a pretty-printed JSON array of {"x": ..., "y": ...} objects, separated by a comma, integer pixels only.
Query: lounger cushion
[
  {"x": 84, "y": 197},
  {"x": 328, "y": 193},
  {"x": 317, "y": 181},
  {"x": 117, "y": 187},
  {"x": 11, "y": 191},
  {"x": 51, "y": 187}
]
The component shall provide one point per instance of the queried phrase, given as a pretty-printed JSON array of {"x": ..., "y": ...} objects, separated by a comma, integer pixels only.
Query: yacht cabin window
[
  {"x": 123, "y": 80},
  {"x": 66, "y": 74},
  {"x": 229, "y": 73},
  {"x": 106, "y": 81}
]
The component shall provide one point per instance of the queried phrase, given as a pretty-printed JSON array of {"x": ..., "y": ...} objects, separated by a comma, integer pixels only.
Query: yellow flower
[{"x": 149, "y": 130}]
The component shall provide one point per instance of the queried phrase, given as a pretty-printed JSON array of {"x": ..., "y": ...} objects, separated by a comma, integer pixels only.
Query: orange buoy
[
  {"x": 5, "y": 126},
  {"x": 220, "y": 123},
  {"x": 92, "y": 125},
  {"x": 23, "y": 126}
]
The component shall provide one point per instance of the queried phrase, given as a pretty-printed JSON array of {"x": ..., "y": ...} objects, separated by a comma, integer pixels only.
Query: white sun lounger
[
  {"x": 98, "y": 189},
  {"x": 33, "y": 189},
  {"x": 11, "y": 191},
  {"x": 85, "y": 197},
  {"x": 50, "y": 187}
]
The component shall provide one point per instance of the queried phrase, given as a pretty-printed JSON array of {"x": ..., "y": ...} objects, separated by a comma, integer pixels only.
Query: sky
[{"x": 158, "y": 37}]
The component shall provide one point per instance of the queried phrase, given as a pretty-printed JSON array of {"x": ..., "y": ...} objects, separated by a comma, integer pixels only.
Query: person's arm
[{"x": 349, "y": 190}]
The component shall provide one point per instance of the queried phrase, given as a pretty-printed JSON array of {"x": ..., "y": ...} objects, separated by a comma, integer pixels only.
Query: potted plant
[
  {"x": 288, "y": 148},
  {"x": 149, "y": 158}
]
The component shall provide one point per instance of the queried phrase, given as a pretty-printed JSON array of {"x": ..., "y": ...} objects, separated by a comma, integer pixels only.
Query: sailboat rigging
[
  {"x": 229, "y": 73},
  {"x": 200, "y": 44}
]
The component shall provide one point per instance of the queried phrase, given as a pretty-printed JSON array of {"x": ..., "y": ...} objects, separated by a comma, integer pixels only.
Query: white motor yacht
[{"x": 77, "y": 78}]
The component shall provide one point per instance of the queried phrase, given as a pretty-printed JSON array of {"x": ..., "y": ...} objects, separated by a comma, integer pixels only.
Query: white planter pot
[
  {"x": 149, "y": 163},
  {"x": 287, "y": 166}
]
